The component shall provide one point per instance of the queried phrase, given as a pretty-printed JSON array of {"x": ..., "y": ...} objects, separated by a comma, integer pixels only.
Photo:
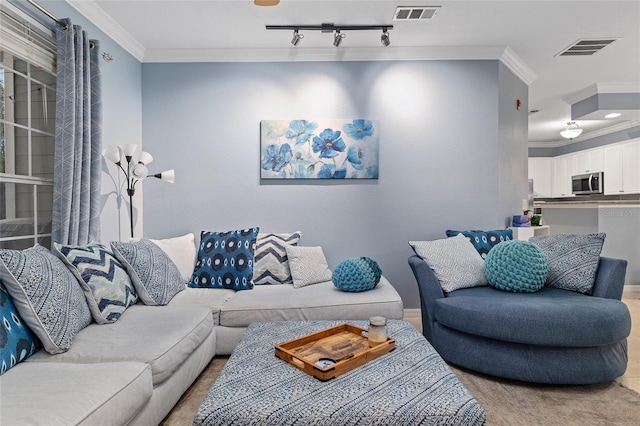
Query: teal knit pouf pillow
[
  {"x": 518, "y": 266},
  {"x": 356, "y": 275}
]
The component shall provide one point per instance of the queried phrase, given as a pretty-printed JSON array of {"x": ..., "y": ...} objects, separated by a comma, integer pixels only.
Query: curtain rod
[
  {"x": 105, "y": 55},
  {"x": 49, "y": 14}
]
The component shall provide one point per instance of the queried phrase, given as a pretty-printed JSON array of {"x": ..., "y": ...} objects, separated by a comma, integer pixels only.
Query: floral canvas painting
[{"x": 319, "y": 149}]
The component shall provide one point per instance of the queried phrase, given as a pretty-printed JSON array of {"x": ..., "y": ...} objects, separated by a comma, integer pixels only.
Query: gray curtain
[{"x": 78, "y": 146}]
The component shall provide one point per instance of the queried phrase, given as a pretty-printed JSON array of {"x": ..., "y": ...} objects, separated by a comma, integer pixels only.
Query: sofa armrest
[
  {"x": 610, "y": 278},
  {"x": 430, "y": 291}
]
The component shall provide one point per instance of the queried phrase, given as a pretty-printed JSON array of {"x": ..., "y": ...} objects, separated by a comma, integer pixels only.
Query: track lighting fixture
[
  {"x": 337, "y": 38},
  {"x": 384, "y": 38},
  {"x": 296, "y": 37},
  {"x": 337, "y": 31}
]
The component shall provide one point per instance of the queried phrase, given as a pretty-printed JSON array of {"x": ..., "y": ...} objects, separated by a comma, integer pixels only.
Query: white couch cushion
[
  {"x": 315, "y": 302},
  {"x": 69, "y": 394},
  {"x": 212, "y": 298},
  {"x": 161, "y": 336}
]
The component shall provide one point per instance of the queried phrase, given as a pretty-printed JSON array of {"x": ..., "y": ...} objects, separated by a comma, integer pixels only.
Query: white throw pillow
[
  {"x": 308, "y": 265},
  {"x": 454, "y": 260},
  {"x": 182, "y": 251}
]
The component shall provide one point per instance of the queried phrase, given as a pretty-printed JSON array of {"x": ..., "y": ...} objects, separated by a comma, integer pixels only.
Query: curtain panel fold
[{"x": 78, "y": 139}]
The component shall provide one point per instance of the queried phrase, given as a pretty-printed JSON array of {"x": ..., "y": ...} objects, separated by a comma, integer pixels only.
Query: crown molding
[
  {"x": 598, "y": 88},
  {"x": 111, "y": 28},
  {"x": 517, "y": 66},
  {"x": 586, "y": 136}
]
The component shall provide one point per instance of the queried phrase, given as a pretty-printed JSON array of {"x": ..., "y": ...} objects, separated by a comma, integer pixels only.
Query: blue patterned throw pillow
[
  {"x": 484, "y": 241},
  {"x": 155, "y": 276},
  {"x": 103, "y": 279},
  {"x": 46, "y": 294},
  {"x": 517, "y": 266},
  {"x": 573, "y": 259},
  {"x": 17, "y": 342},
  {"x": 225, "y": 260},
  {"x": 356, "y": 275}
]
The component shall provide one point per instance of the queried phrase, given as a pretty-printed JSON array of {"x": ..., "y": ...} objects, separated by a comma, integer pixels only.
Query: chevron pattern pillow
[
  {"x": 46, "y": 295},
  {"x": 271, "y": 265},
  {"x": 104, "y": 280},
  {"x": 454, "y": 261},
  {"x": 308, "y": 265}
]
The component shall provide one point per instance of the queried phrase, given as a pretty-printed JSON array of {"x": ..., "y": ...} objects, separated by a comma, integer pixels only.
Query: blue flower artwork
[{"x": 319, "y": 149}]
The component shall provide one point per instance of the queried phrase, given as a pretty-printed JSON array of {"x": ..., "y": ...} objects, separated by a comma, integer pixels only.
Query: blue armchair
[{"x": 550, "y": 336}]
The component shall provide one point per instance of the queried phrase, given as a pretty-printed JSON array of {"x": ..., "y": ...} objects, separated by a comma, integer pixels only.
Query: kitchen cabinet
[
  {"x": 588, "y": 161},
  {"x": 562, "y": 172},
  {"x": 540, "y": 170},
  {"x": 622, "y": 168}
]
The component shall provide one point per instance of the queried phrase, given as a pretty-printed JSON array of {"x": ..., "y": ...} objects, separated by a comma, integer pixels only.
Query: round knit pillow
[
  {"x": 357, "y": 274},
  {"x": 516, "y": 265}
]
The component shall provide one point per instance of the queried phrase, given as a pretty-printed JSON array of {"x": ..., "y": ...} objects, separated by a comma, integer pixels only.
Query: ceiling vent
[
  {"x": 415, "y": 13},
  {"x": 586, "y": 47}
]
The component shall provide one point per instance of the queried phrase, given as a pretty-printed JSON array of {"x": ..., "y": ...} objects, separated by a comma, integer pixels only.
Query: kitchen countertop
[{"x": 586, "y": 204}]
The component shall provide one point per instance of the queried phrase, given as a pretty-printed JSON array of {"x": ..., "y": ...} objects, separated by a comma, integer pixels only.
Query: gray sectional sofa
[{"x": 134, "y": 370}]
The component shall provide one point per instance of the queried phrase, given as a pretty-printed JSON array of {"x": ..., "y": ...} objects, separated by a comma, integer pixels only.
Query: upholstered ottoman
[{"x": 409, "y": 386}]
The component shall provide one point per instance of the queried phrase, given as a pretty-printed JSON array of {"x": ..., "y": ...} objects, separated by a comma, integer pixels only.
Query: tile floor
[{"x": 631, "y": 378}]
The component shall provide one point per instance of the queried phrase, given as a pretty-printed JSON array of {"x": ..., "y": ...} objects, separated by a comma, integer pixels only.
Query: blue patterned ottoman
[{"x": 410, "y": 386}]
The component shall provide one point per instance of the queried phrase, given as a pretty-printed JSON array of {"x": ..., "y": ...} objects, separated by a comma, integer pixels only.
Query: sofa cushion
[
  {"x": 46, "y": 294},
  {"x": 516, "y": 265},
  {"x": 105, "y": 282},
  {"x": 73, "y": 394},
  {"x": 308, "y": 265},
  {"x": 161, "y": 336},
  {"x": 17, "y": 341},
  {"x": 550, "y": 317},
  {"x": 182, "y": 251},
  {"x": 484, "y": 241},
  {"x": 320, "y": 301},
  {"x": 213, "y": 300},
  {"x": 153, "y": 273},
  {"x": 271, "y": 261},
  {"x": 573, "y": 259},
  {"x": 454, "y": 262},
  {"x": 225, "y": 260}
]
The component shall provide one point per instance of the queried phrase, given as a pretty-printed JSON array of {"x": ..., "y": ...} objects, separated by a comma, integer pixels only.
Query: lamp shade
[
  {"x": 572, "y": 131},
  {"x": 139, "y": 171},
  {"x": 129, "y": 149},
  {"x": 112, "y": 154},
  {"x": 145, "y": 158},
  {"x": 167, "y": 176}
]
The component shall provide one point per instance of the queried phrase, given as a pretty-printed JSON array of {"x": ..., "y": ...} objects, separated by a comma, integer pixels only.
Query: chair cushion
[{"x": 551, "y": 317}]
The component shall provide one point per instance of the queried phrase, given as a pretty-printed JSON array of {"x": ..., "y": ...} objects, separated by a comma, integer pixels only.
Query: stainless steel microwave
[{"x": 589, "y": 183}]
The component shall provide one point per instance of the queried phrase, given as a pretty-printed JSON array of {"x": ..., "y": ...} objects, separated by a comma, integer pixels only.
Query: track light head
[
  {"x": 337, "y": 38},
  {"x": 384, "y": 38},
  {"x": 296, "y": 37}
]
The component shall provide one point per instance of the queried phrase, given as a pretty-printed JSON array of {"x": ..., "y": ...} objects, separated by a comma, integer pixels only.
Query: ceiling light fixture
[
  {"x": 613, "y": 115},
  {"x": 572, "y": 131},
  {"x": 296, "y": 37},
  {"x": 337, "y": 31},
  {"x": 384, "y": 38},
  {"x": 337, "y": 38}
]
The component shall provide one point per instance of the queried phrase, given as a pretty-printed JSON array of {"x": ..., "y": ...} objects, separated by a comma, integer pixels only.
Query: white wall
[{"x": 452, "y": 153}]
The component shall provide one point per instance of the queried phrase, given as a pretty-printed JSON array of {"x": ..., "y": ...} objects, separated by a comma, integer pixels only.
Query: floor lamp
[{"x": 134, "y": 171}]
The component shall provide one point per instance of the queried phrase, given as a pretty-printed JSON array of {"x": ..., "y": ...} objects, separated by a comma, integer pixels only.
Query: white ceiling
[{"x": 534, "y": 31}]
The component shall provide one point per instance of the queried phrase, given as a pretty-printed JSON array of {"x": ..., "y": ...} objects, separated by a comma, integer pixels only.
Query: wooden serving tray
[{"x": 331, "y": 352}]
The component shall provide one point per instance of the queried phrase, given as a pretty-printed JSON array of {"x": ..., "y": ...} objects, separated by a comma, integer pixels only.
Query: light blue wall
[
  {"x": 447, "y": 158},
  {"x": 122, "y": 114}
]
